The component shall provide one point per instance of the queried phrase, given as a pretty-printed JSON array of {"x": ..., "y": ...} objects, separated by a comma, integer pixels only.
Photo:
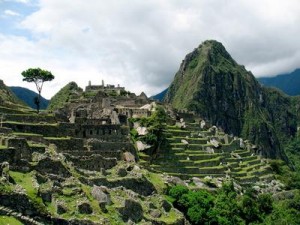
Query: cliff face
[{"x": 213, "y": 85}]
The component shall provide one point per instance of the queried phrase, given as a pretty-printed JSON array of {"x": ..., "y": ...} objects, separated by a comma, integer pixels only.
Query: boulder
[
  {"x": 128, "y": 157},
  {"x": 184, "y": 142},
  {"x": 155, "y": 213},
  {"x": 132, "y": 210},
  {"x": 84, "y": 208},
  {"x": 141, "y": 146},
  {"x": 142, "y": 131},
  {"x": 101, "y": 194},
  {"x": 61, "y": 208},
  {"x": 215, "y": 143},
  {"x": 122, "y": 172},
  {"x": 4, "y": 169},
  {"x": 166, "y": 205}
]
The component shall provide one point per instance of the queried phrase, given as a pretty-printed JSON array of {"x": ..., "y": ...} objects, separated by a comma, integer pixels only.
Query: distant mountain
[
  {"x": 289, "y": 83},
  {"x": 210, "y": 83},
  {"x": 160, "y": 96},
  {"x": 27, "y": 96}
]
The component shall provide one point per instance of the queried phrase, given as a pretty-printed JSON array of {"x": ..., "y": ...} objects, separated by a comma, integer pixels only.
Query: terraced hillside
[
  {"x": 57, "y": 172},
  {"x": 207, "y": 151}
]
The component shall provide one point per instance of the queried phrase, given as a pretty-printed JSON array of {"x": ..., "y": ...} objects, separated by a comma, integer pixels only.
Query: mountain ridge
[
  {"x": 27, "y": 96},
  {"x": 289, "y": 83}
]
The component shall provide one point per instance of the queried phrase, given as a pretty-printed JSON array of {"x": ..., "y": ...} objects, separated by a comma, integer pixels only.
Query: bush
[{"x": 177, "y": 191}]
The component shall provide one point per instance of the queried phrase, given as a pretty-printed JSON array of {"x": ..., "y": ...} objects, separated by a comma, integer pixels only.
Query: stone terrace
[{"x": 196, "y": 152}]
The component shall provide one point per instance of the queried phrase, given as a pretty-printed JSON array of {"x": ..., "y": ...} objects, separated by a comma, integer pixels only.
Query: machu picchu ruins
[{"x": 104, "y": 155}]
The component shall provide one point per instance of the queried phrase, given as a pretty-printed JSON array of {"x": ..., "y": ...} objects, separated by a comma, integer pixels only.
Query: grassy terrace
[
  {"x": 30, "y": 124},
  {"x": 57, "y": 138},
  {"x": 3, "y": 147},
  {"x": 8, "y": 110}
]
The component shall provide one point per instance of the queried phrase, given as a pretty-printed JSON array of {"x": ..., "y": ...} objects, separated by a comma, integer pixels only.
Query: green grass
[
  {"x": 31, "y": 144},
  {"x": 30, "y": 124},
  {"x": 3, "y": 147},
  {"x": 57, "y": 138},
  {"x": 157, "y": 181},
  {"x": 9, "y": 220},
  {"x": 26, "y": 181}
]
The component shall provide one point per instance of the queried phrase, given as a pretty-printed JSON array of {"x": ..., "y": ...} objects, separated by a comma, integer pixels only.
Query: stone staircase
[
  {"x": 25, "y": 219},
  {"x": 191, "y": 154}
]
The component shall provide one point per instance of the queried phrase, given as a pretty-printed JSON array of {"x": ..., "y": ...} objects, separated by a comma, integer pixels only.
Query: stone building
[{"x": 107, "y": 89}]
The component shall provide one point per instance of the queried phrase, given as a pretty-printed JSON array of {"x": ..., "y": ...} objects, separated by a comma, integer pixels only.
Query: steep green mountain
[
  {"x": 7, "y": 96},
  {"x": 68, "y": 92},
  {"x": 28, "y": 96},
  {"x": 289, "y": 83},
  {"x": 210, "y": 83}
]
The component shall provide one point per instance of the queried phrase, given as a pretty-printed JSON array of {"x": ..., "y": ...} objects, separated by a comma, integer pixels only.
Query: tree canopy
[{"x": 38, "y": 77}]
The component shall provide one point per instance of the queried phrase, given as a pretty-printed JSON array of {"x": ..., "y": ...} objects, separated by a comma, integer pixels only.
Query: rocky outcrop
[{"x": 132, "y": 210}]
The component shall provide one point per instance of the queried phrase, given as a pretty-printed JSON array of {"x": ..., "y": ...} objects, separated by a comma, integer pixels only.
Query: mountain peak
[{"x": 210, "y": 83}]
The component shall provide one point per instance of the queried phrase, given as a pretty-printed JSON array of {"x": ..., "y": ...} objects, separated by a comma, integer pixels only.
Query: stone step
[
  {"x": 176, "y": 169},
  {"x": 251, "y": 162},
  {"x": 212, "y": 170},
  {"x": 268, "y": 177},
  {"x": 179, "y": 133},
  {"x": 208, "y": 162},
  {"x": 248, "y": 179},
  {"x": 190, "y": 140},
  {"x": 203, "y": 156}
]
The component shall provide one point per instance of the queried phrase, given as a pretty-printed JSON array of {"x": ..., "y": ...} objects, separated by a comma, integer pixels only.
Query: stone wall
[
  {"x": 23, "y": 151},
  {"x": 4, "y": 130},
  {"x": 103, "y": 132},
  {"x": 111, "y": 146},
  {"x": 63, "y": 144},
  {"x": 61, "y": 129},
  {"x": 93, "y": 162},
  {"x": 31, "y": 118},
  {"x": 104, "y": 153}
]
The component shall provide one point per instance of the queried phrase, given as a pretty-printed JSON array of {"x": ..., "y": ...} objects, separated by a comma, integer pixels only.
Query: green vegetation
[
  {"x": 7, "y": 97},
  {"x": 66, "y": 94},
  {"x": 27, "y": 181},
  {"x": 9, "y": 220},
  {"x": 226, "y": 207},
  {"x": 156, "y": 124},
  {"x": 289, "y": 173},
  {"x": 213, "y": 85}
]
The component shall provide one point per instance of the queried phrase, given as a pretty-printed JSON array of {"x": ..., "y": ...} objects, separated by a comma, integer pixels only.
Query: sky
[{"x": 140, "y": 44}]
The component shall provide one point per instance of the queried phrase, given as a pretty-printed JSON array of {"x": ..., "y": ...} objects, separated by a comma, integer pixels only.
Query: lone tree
[{"x": 38, "y": 77}]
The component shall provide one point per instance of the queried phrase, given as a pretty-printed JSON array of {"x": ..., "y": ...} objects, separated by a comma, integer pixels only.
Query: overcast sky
[{"x": 139, "y": 44}]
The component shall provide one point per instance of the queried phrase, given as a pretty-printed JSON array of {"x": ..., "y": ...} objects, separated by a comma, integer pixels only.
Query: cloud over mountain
[{"x": 140, "y": 44}]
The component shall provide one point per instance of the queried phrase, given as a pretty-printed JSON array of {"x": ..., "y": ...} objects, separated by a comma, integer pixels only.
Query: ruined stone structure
[{"x": 103, "y": 88}]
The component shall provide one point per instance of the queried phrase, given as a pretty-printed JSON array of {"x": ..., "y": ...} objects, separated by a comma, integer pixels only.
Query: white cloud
[
  {"x": 10, "y": 13},
  {"x": 140, "y": 44}
]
